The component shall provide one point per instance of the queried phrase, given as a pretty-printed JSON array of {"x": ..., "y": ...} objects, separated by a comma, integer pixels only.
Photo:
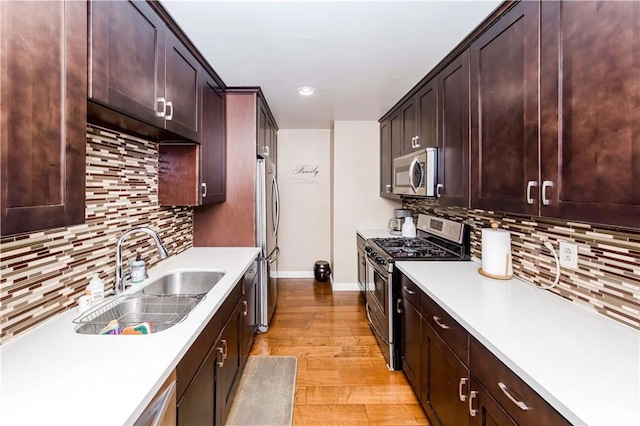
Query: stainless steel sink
[
  {"x": 160, "y": 311},
  {"x": 184, "y": 282}
]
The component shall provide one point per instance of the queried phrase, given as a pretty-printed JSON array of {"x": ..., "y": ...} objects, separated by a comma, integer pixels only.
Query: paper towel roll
[{"x": 496, "y": 253}]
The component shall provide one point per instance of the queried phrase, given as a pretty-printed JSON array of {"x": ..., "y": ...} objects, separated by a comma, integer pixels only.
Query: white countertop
[
  {"x": 376, "y": 233},
  {"x": 584, "y": 364},
  {"x": 52, "y": 375}
]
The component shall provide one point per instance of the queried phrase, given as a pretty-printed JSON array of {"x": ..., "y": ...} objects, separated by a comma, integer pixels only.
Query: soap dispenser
[
  {"x": 408, "y": 228},
  {"x": 138, "y": 270}
]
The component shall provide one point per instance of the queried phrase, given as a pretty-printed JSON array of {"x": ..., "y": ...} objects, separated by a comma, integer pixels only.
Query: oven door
[{"x": 378, "y": 309}]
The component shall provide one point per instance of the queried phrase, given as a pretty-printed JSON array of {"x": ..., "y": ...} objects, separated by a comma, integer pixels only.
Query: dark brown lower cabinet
[
  {"x": 228, "y": 364},
  {"x": 483, "y": 409},
  {"x": 446, "y": 380},
  {"x": 459, "y": 381},
  {"x": 208, "y": 374},
  {"x": 411, "y": 344},
  {"x": 197, "y": 404}
]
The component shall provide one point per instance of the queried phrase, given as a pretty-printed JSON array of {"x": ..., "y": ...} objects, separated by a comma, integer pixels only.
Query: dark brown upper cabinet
[
  {"x": 385, "y": 159},
  {"x": 453, "y": 133},
  {"x": 195, "y": 174},
  {"x": 418, "y": 116},
  {"x": 43, "y": 114},
  {"x": 504, "y": 113},
  {"x": 139, "y": 68},
  {"x": 590, "y": 112}
]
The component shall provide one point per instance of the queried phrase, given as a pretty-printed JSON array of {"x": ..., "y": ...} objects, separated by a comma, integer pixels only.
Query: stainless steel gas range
[{"x": 438, "y": 240}]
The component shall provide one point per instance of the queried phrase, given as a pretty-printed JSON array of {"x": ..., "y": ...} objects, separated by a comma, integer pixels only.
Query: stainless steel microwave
[{"x": 415, "y": 174}]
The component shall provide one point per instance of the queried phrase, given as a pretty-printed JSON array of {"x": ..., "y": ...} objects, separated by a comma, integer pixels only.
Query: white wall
[
  {"x": 356, "y": 201},
  {"x": 304, "y": 234}
]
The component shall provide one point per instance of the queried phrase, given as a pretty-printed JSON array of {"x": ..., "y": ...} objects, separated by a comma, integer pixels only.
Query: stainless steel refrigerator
[{"x": 267, "y": 219}]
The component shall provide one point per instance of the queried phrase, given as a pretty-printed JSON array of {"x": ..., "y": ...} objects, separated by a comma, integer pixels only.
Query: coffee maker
[{"x": 395, "y": 224}]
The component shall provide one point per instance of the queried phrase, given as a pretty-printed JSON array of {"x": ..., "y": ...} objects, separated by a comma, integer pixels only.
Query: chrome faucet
[{"x": 119, "y": 285}]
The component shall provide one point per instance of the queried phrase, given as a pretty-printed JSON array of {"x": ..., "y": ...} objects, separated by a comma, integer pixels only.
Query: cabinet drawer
[
  {"x": 446, "y": 327},
  {"x": 410, "y": 291},
  {"x": 501, "y": 382}
]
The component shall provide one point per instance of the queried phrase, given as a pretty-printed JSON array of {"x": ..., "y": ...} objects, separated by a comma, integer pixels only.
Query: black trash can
[{"x": 322, "y": 270}]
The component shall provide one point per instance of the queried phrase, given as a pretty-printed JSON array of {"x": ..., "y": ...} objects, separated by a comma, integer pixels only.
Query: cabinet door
[
  {"x": 227, "y": 370},
  {"x": 43, "y": 114},
  {"x": 453, "y": 133},
  {"x": 127, "y": 58},
  {"x": 504, "y": 108},
  {"x": 483, "y": 409},
  {"x": 182, "y": 89},
  {"x": 411, "y": 345},
  {"x": 196, "y": 407},
  {"x": 386, "y": 160},
  {"x": 447, "y": 379},
  {"x": 408, "y": 115},
  {"x": 427, "y": 101},
  {"x": 590, "y": 109},
  {"x": 213, "y": 146}
]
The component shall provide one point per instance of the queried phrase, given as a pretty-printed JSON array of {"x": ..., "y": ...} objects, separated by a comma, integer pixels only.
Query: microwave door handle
[{"x": 411, "y": 169}]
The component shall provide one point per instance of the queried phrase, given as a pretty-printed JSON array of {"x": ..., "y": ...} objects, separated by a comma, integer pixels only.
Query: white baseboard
[
  {"x": 345, "y": 286},
  {"x": 295, "y": 274}
]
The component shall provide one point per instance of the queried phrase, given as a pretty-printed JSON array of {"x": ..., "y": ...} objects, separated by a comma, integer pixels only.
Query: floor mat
[{"x": 265, "y": 393}]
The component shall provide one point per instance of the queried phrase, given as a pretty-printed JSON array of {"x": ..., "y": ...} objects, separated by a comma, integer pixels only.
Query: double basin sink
[{"x": 163, "y": 303}]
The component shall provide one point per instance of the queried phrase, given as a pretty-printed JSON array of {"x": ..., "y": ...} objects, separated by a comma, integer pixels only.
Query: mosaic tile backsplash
[
  {"x": 44, "y": 273},
  {"x": 608, "y": 275}
]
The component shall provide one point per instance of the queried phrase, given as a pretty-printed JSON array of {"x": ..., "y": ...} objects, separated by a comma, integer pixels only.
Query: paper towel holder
[{"x": 506, "y": 276}]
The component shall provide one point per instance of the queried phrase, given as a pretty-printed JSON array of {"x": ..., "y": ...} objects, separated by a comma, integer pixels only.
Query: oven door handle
[{"x": 373, "y": 327}]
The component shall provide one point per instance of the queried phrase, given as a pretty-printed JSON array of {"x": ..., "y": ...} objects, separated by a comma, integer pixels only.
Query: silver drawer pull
[
  {"x": 245, "y": 311},
  {"x": 520, "y": 404},
  {"x": 220, "y": 357},
  {"x": 463, "y": 381},
  {"x": 472, "y": 396},
  {"x": 437, "y": 320},
  {"x": 407, "y": 290}
]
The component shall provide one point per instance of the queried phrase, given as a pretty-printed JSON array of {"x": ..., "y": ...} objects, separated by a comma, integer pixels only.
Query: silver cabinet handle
[
  {"x": 546, "y": 184},
  {"x": 246, "y": 309},
  {"x": 161, "y": 113},
  {"x": 439, "y": 187},
  {"x": 388, "y": 189},
  {"x": 417, "y": 142},
  {"x": 224, "y": 344},
  {"x": 411, "y": 168},
  {"x": 203, "y": 185},
  {"x": 520, "y": 404},
  {"x": 463, "y": 381},
  {"x": 220, "y": 357},
  {"x": 399, "y": 306},
  {"x": 437, "y": 320},
  {"x": 407, "y": 290},
  {"x": 413, "y": 142},
  {"x": 530, "y": 184},
  {"x": 265, "y": 151},
  {"x": 169, "y": 116},
  {"x": 472, "y": 396}
]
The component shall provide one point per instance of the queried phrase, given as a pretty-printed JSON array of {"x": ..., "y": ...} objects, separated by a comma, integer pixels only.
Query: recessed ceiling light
[{"x": 306, "y": 90}]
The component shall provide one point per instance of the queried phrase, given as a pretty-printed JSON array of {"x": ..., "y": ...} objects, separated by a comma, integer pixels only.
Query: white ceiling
[{"x": 361, "y": 56}]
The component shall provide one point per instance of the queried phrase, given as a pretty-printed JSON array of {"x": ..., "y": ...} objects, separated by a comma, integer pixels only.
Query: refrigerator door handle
[
  {"x": 275, "y": 206},
  {"x": 275, "y": 254}
]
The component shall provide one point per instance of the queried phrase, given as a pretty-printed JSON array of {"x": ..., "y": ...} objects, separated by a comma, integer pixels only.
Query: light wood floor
[{"x": 342, "y": 376}]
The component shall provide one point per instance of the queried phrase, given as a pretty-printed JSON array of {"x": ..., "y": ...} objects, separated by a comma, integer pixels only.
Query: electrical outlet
[{"x": 568, "y": 255}]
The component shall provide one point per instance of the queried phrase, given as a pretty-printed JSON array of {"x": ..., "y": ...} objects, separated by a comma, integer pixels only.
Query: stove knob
[
  {"x": 383, "y": 262},
  {"x": 368, "y": 249}
]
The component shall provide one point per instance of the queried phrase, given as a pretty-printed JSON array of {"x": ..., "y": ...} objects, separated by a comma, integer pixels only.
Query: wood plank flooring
[{"x": 342, "y": 376}]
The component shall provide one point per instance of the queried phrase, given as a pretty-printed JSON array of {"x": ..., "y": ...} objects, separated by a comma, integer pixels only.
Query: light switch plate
[{"x": 568, "y": 255}]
